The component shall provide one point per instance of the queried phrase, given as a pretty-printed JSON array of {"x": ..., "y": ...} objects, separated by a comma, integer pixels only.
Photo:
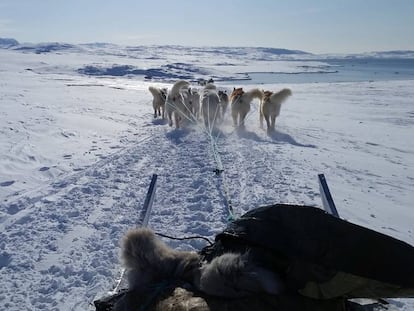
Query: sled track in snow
[{"x": 72, "y": 228}]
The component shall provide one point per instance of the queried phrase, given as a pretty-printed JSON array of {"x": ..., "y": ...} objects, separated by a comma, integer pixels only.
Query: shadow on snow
[
  {"x": 242, "y": 133},
  {"x": 286, "y": 138},
  {"x": 159, "y": 121},
  {"x": 176, "y": 136}
]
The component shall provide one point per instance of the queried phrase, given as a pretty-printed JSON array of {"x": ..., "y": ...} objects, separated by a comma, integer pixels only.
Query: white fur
[
  {"x": 148, "y": 260},
  {"x": 240, "y": 105},
  {"x": 233, "y": 275},
  {"x": 224, "y": 102},
  {"x": 270, "y": 108},
  {"x": 158, "y": 102},
  {"x": 195, "y": 103},
  {"x": 210, "y": 106},
  {"x": 175, "y": 104},
  {"x": 192, "y": 102}
]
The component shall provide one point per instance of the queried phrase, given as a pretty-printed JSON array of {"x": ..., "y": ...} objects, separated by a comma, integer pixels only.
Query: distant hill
[
  {"x": 261, "y": 52},
  {"x": 255, "y": 53},
  {"x": 397, "y": 54},
  {"x": 8, "y": 42},
  {"x": 45, "y": 47},
  {"x": 281, "y": 51}
]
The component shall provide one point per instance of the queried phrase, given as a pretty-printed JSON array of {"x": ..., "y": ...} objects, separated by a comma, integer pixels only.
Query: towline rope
[
  {"x": 184, "y": 238},
  {"x": 219, "y": 171}
]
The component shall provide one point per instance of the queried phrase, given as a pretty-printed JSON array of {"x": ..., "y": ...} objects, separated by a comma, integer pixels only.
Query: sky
[{"x": 318, "y": 26}]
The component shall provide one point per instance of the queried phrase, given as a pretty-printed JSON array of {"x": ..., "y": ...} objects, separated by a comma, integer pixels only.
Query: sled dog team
[{"x": 184, "y": 103}]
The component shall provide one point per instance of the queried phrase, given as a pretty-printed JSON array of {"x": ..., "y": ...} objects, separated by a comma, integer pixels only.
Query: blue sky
[{"x": 318, "y": 26}]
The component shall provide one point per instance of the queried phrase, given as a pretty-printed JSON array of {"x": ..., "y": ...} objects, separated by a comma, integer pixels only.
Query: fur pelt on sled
[
  {"x": 148, "y": 260},
  {"x": 161, "y": 278}
]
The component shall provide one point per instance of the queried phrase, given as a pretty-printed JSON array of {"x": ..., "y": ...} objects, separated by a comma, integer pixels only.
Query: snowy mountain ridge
[{"x": 264, "y": 53}]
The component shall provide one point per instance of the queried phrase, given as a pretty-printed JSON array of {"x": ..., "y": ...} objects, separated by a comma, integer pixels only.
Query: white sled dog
[
  {"x": 210, "y": 106},
  {"x": 224, "y": 102},
  {"x": 270, "y": 107},
  {"x": 158, "y": 101},
  {"x": 240, "y": 104},
  {"x": 192, "y": 102},
  {"x": 175, "y": 104},
  {"x": 149, "y": 261}
]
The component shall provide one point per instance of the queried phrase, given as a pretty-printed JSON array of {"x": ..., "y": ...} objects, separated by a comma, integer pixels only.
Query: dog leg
[
  {"x": 273, "y": 122},
  {"x": 225, "y": 108},
  {"x": 242, "y": 118},
  {"x": 170, "y": 119},
  {"x": 267, "y": 118},
  {"x": 177, "y": 120},
  {"x": 234, "y": 116},
  {"x": 261, "y": 119}
]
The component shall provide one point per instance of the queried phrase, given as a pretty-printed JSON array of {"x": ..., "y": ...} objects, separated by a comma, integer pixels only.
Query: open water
[{"x": 344, "y": 70}]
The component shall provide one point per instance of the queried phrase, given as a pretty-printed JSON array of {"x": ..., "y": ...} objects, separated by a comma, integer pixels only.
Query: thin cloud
[{"x": 6, "y": 26}]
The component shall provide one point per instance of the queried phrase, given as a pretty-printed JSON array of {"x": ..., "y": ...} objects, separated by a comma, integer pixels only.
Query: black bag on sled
[
  {"x": 322, "y": 259},
  {"x": 320, "y": 256}
]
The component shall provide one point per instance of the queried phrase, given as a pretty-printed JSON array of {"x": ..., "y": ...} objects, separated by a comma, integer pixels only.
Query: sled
[{"x": 325, "y": 262}]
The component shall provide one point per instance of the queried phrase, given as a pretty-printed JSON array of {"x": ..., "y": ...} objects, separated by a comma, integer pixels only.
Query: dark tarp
[{"x": 304, "y": 237}]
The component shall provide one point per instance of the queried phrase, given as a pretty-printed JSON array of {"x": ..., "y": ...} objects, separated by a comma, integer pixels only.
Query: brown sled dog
[
  {"x": 270, "y": 107},
  {"x": 240, "y": 104}
]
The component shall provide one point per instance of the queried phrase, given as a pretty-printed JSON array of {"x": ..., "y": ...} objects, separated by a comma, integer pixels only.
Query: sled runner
[{"x": 322, "y": 261}]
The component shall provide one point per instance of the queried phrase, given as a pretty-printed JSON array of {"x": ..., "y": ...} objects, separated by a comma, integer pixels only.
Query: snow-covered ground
[{"x": 77, "y": 152}]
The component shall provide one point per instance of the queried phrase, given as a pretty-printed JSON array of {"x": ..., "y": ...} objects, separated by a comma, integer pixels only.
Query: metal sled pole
[
  {"x": 145, "y": 215},
  {"x": 149, "y": 200},
  {"x": 327, "y": 200}
]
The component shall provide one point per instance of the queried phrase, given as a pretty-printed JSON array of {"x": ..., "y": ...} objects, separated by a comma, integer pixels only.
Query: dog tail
[
  {"x": 147, "y": 259},
  {"x": 256, "y": 93},
  {"x": 156, "y": 92},
  {"x": 281, "y": 95},
  {"x": 178, "y": 85}
]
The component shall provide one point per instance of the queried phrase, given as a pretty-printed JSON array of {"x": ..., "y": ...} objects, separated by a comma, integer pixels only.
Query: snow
[{"x": 77, "y": 152}]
